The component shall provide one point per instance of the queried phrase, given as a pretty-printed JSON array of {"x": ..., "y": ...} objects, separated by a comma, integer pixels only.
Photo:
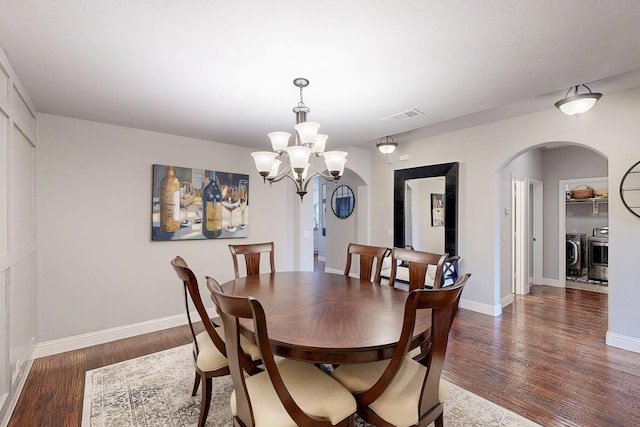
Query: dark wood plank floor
[{"x": 544, "y": 358}]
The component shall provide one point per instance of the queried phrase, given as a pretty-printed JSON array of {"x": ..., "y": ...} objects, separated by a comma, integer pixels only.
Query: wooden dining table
[{"x": 328, "y": 318}]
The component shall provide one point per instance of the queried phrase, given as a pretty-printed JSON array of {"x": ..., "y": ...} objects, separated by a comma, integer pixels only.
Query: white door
[{"x": 518, "y": 235}]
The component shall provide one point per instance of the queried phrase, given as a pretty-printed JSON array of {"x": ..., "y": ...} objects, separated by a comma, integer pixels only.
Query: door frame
[
  {"x": 536, "y": 241},
  {"x": 519, "y": 274}
]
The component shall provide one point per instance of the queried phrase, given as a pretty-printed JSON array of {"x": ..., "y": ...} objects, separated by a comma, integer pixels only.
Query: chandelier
[
  {"x": 578, "y": 103},
  {"x": 309, "y": 144}
]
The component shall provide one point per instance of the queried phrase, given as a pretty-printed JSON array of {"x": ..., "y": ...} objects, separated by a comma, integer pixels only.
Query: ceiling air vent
[{"x": 400, "y": 117}]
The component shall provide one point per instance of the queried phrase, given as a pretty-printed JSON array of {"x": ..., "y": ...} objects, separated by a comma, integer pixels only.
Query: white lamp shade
[
  {"x": 274, "y": 168},
  {"x": 264, "y": 161},
  {"x": 279, "y": 140},
  {"x": 387, "y": 148},
  {"x": 342, "y": 170},
  {"x": 307, "y": 132},
  {"x": 335, "y": 161},
  {"x": 299, "y": 157},
  {"x": 304, "y": 173},
  {"x": 581, "y": 104},
  {"x": 321, "y": 141}
]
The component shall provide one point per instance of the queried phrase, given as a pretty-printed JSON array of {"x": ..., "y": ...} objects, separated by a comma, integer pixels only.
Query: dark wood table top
[{"x": 329, "y": 318}]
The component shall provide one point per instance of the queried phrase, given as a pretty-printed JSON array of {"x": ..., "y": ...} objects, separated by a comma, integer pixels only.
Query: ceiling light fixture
[
  {"x": 308, "y": 143},
  {"x": 578, "y": 103},
  {"x": 387, "y": 145}
]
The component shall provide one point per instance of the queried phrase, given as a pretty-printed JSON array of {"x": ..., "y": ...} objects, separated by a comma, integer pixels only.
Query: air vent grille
[{"x": 404, "y": 115}]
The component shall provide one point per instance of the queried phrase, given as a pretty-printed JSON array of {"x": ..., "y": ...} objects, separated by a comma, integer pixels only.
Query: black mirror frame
[{"x": 450, "y": 171}]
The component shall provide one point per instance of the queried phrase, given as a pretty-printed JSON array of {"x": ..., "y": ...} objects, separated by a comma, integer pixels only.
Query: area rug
[{"x": 155, "y": 390}]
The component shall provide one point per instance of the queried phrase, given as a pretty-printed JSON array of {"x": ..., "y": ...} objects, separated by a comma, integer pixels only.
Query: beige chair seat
[
  {"x": 398, "y": 404},
  {"x": 315, "y": 392},
  {"x": 210, "y": 359}
]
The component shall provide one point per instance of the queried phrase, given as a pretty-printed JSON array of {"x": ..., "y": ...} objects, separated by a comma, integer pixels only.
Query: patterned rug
[{"x": 155, "y": 390}]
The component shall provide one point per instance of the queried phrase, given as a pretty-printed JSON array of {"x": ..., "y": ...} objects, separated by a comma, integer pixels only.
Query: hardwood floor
[{"x": 544, "y": 358}]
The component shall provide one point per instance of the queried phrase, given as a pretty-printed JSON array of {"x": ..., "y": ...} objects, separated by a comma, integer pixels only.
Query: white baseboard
[
  {"x": 505, "y": 301},
  {"x": 552, "y": 282},
  {"x": 48, "y": 348},
  {"x": 334, "y": 271},
  {"x": 491, "y": 310},
  {"x": 321, "y": 258},
  {"x": 623, "y": 342},
  {"x": 12, "y": 398}
]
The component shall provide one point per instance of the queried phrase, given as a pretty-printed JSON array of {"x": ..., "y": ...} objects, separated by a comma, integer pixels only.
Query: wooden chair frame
[
  {"x": 252, "y": 254},
  {"x": 232, "y": 309},
  {"x": 443, "y": 304},
  {"x": 368, "y": 254},
  {"x": 418, "y": 262},
  {"x": 191, "y": 291}
]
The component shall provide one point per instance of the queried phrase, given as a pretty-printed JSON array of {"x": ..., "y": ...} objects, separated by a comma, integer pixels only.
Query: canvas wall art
[
  {"x": 194, "y": 204},
  {"x": 437, "y": 210}
]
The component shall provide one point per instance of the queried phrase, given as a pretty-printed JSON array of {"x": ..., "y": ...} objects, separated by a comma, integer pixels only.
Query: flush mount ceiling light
[
  {"x": 308, "y": 143},
  {"x": 578, "y": 103},
  {"x": 387, "y": 145}
]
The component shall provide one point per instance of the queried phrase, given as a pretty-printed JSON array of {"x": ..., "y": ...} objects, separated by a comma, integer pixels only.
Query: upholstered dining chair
[
  {"x": 368, "y": 255},
  {"x": 288, "y": 393},
  {"x": 401, "y": 391},
  {"x": 417, "y": 263},
  {"x": 209, "y": 351},
  {"x": 252, "y": 254}
]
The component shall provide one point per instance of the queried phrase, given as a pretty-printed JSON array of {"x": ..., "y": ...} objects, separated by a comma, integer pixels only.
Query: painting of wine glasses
[{"x": 195, "y": 204}]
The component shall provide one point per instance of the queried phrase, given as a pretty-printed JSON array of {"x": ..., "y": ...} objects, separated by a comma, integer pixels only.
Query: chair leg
[
  {"x": 205, "y": 401},
  {"x": 439, "y": 422},
  {"x": 196, "y": 384}
]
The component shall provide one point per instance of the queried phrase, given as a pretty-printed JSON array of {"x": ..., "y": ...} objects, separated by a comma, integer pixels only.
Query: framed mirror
[
  {"x": 630, "y": 189},
  {"x": 448, "y": 171},
  {"x": 343, "y": 201}
]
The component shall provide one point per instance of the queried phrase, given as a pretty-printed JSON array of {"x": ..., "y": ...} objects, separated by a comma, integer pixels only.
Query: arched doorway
[
  {"x": 334, "y": 234},
  {"x": 548, "y": 166}
]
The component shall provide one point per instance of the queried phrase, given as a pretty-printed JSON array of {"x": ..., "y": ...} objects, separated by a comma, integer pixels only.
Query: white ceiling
[{"x": 223, "y": 70}]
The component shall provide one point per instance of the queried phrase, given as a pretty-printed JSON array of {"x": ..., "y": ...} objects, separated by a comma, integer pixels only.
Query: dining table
[{"x": 329, "y": 318}]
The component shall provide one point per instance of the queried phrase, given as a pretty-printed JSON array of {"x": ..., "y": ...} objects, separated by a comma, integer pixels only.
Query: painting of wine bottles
[{"x": 195, "y": 204}]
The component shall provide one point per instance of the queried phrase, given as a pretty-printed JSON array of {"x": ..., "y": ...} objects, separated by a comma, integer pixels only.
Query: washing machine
[{"x": 576, "y": 254}]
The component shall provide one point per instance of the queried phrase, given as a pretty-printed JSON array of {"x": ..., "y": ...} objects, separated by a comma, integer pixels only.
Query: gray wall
[
  {"x": 611, "y": 128},
  {"x": 341, "y": 232},
  {"x": 98, "y": 268}
]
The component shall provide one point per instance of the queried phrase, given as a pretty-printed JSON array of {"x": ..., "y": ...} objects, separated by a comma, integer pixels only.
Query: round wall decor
[
  {"x": 343, "y": 201},
  {"x": 630, "y": 189}
]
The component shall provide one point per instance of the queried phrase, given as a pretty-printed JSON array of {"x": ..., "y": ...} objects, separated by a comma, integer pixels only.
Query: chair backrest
[
  {"x": 252, "y": 254},
  {"x": 191, "y": 291},
  {"x": 232, "y": 309},
  {"x": 367, "y": 255},
  {"x": 450, "y": 271},
  {"x": 443, "y": 304},
  {"x": 417, "y": 263}
]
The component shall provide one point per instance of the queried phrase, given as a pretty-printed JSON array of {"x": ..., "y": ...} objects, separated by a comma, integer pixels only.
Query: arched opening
[
  {"x": 335, "y": 233},
  {"x": 541, "y": 218}
]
